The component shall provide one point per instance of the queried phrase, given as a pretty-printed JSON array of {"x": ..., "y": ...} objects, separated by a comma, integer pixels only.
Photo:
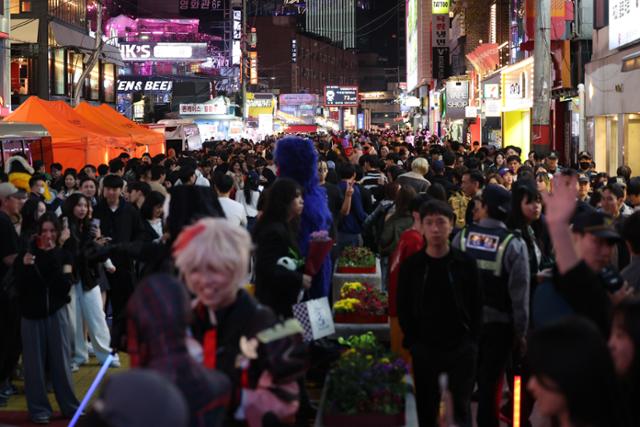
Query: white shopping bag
[{"x": 315, "y": 317}]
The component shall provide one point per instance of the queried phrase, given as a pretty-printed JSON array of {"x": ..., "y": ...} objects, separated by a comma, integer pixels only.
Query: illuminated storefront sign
[
  {"x": 376, "y": 96},
  {"x": 236, "y": 51},
  {"x": 412, "y": 44},
  {"x": 163, "y": 51},
  {"x": 201, "y": 5},
  {"x": 215, "y": 108},
  {"x": 440, "y": 46},
  {"x": 440, "y": 7},
  {"x": 517, "y": 86},
  {"x": 143, "y": 84},
  {"x": 457, "y": 95},
  {"x": 341, "y": 96},
  {"x": 253, "y": 68},
  {"x": 623, "y": 22},
  {"x": 294, "y": 51}
]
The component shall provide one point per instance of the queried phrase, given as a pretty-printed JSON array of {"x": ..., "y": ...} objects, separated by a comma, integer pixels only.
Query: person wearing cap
[
  {"x": 503, "y": 261},
  {"x": 551, "y": 163},
  {"x": 584, "y": 188},
  {"x": 584, "y": 244},
  {"x": 585, "y": 163},
  {"x": 11, "y": 201},
  {"x": 633, "y": 193},
  {"x": 631, "y": 236}
]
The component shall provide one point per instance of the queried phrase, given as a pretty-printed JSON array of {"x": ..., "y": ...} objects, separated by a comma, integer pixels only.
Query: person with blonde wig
[{"x": 213, "y": 258}]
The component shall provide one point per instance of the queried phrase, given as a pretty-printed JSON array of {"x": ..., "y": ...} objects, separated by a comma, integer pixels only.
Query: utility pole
[
  {"x": 243, "y": 68},
  {"x": 43, "y": 49},
  {"x": 541, "y": 131},
  {"x": 93, "y": 59}
]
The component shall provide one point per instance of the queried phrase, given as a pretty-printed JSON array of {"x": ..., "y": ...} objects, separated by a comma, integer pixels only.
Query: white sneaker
[
  {"x": 74, "y": 367},
  {"x": 115, "y": 363}
]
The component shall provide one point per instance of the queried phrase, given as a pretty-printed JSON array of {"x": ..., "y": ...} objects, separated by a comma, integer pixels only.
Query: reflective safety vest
[{"x": 488, "y": 246}]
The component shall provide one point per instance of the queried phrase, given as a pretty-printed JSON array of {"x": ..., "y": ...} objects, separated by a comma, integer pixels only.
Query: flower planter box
[
  {"x": 357, "y": 270},
  {"x": 363, "y": 420},
  {"x": 360, "y": 318}
]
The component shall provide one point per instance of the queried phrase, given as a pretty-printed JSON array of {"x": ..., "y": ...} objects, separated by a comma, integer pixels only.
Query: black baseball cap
[
  {"x": 498, "y": 196},
  {"x": 552, "y": 155},
  {"x": 597, "y": 223},
  {"x": 584, "y": 155},
  {"x": 583, "y": 178}
]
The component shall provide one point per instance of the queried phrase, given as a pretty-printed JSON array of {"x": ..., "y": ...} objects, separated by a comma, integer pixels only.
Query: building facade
[
  {"x": 612, "y": 79},
  {"x": 333, "y": 19},
  {"x": 295, "y": 62},
  {"x": 50, "y": 41}
]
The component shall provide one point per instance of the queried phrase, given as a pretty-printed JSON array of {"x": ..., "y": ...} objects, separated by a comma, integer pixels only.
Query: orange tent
[
  {"x": 74, "y": 143},
  {"x": 150, "y": 140}
]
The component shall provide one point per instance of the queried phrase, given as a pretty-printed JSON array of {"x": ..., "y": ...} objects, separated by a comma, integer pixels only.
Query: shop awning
[
  {"x": 24, "y": 31},
  {"x": 68, "y": 37}
]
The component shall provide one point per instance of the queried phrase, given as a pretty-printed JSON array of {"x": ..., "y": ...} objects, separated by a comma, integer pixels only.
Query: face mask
[
  {"x": 585, "y": 165},
  {"x": 41, "y": 190}
]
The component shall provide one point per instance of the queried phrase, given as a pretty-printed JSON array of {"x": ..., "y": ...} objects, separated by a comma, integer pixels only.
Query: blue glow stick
[{"x": 92, "y": 389}]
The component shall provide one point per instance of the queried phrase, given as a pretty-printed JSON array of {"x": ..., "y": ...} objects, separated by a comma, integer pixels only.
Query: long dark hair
[
  {"x": 53, "y": 219},
  {"x": 250, "y": 185},
  {"x": 574, "y": 356},
  {"x": 153, "y": 199},
  {"x": 278, "y": 200},
  {"x": 527, "y": 190},
  {"x": 67, "y": 210},
  {"x": 626, "y": 315}
]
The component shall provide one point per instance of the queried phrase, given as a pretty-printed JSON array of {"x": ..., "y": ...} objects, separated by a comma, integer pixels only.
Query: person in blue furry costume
[{"x": 297, "y": 159}]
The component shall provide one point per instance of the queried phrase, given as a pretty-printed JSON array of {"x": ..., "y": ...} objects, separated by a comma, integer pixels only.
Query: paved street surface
[{"x": 15, "y": 413}]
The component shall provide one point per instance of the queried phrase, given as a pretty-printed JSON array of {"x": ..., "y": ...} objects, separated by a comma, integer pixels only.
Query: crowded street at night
[{"x": 319, "y": 213}]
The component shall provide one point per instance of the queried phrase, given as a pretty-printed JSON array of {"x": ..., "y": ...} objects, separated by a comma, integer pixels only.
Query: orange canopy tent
[
  {"x": 150, "y": 141},
  {"x": 117, "y": 142},
  {"x": 74, "y": 142}
]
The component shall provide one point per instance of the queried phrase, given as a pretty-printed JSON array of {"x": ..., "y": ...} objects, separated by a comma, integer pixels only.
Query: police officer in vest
[{"x": 503, "y": 262}]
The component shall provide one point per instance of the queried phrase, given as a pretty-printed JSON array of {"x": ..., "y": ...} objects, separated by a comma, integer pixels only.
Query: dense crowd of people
[{"x": 497, "y": 263}]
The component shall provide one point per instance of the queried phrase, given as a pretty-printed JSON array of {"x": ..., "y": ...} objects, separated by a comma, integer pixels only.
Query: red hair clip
[{"x": 186, "y": 237}]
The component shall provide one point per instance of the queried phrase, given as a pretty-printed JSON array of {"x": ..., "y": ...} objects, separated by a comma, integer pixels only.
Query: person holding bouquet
[{"x": 278, "y": 276}]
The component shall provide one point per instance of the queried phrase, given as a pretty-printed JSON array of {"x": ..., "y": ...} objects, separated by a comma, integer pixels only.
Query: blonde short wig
[
  {"x": 214, "y": 242},
  {"x": 420, "y": 165}
]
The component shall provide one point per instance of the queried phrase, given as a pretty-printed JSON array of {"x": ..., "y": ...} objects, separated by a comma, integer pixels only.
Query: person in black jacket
[
  {"x": 86, "y": 301},
  {"x": 213, "y": 256},
  {"x": 120, "y": 222},
  {"x": 44, "y": 279},
  {"x": 278, "y": 281},
  {"x": 440, "y": 312}
]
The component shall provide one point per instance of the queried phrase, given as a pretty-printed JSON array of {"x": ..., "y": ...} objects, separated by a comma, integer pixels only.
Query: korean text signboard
[
  {"x": 623, "y": 22},
  {"x": 341, "y": 96},
  {"x": 440, "y": 46}
]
